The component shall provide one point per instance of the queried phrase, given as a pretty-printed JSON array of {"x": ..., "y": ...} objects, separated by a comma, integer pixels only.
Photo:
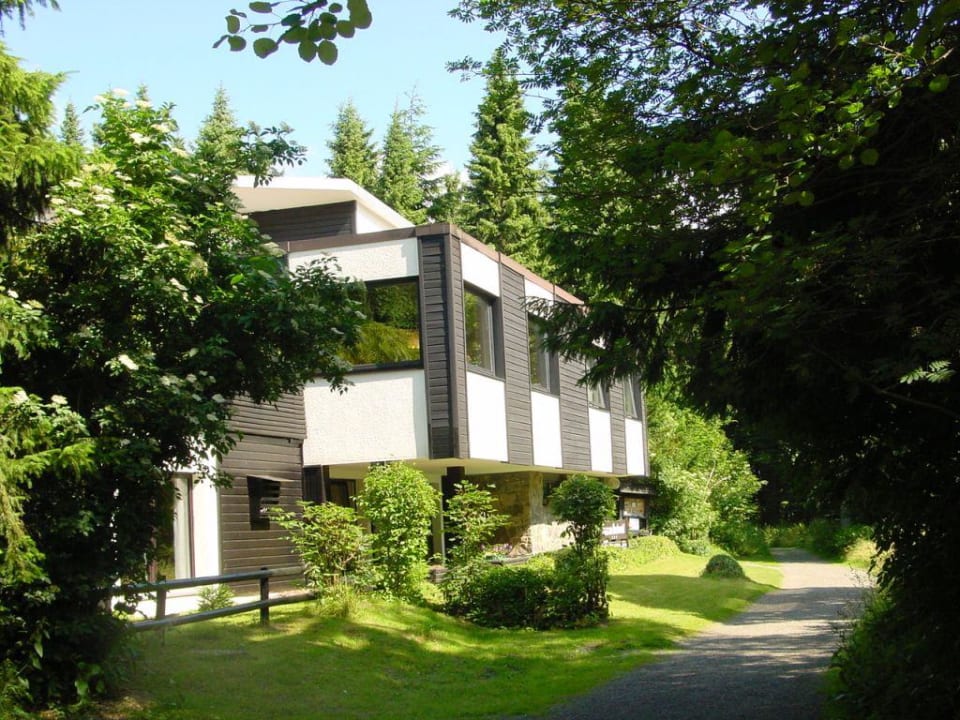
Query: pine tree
[
  {"x": 70, "y": 131},
  {"x": 503, "y": 197},
  {"x": 449, "y": 205},
  {"x": 352, "y": 153},
  {"x": 220, "y": 139},
  {"x": 407, "y": 180}
]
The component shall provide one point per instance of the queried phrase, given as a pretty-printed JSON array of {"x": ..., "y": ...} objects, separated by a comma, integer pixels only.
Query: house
[{"x": 451, "y": 376}]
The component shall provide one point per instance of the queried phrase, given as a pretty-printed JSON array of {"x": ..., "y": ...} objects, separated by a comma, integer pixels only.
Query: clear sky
[{"x": 167, "y": 46}]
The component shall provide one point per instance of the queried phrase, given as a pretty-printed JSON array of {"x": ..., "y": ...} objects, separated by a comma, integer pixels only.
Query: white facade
[
  {"x": 486, "y": 417},
  {"x": 636, "y": 447},
  {"x": 368, "y": 262},
  {"x": 601, "y": 444},
  {"x": 382, "y": 416},
  {"x": 480, "y": 271},
  {"x": 547, "y": 442}
]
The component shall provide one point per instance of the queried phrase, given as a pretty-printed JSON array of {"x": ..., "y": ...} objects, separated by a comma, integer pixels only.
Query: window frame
[
  {"x": 546, "y": 361},
  {"x": 396, "y": 364},
  {"x": 631, "y": 390},
  {"x": 598, "y": 394},
  {"x": 493, "y": 332}
]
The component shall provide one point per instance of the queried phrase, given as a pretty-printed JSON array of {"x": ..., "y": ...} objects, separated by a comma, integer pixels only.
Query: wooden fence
[{"x": 161, "y": 588}]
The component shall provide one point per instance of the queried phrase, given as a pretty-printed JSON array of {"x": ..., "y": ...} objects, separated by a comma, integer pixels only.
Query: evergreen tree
[
  {"x": 220, "y": 138},
  {"x": 407, "y": 181},
  {"x": 449, "y": 205},
  {"x": 503, "y": 197},
  {"x": 353, "y": 155},
  {"x": 70, "y": 131}
]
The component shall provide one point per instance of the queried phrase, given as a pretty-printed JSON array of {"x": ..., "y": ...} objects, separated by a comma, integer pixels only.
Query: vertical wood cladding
[
  {"x": 458, "y": 347},
  {"x": 308, "y": 223},
  {"x": 617, "y": 430},
  {"x": 574, "y": 417},
  {"x": 516, "y": 354},
  {"x": 436, "y": 312}
]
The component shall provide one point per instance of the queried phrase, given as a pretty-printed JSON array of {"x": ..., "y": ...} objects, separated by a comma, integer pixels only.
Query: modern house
[{"x": 451, "y": 376}]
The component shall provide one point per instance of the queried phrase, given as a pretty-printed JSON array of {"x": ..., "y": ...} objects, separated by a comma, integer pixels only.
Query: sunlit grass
[{"x": 389, "y": 660}]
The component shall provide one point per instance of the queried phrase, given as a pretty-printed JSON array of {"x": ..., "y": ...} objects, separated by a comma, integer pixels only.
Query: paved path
[{"x": 766, "y": 663}]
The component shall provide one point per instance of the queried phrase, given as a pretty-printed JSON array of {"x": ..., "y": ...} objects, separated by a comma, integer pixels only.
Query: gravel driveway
[{"x": 767, "y": 662}]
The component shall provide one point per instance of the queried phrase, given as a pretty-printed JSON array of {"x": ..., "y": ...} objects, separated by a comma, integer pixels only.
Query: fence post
[
  {"x": 264, "y": 596},
  {"x": 162, "y": 609}
]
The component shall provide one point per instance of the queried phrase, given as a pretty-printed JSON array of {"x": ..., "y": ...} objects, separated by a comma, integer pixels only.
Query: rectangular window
[
  {"x": 544, "y": 368},
  {"x": 390, "y": 335},
  {"x": 632, "y": 404},
  {"x": 319, "y": 488},
  {"x": 174, "y": 542},
  {"x": 478, "y": 311},
  {"x": 598, "y": 394}
]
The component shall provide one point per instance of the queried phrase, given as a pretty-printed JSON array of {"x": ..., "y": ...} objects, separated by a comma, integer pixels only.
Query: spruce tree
[
  {"x": 220, "y": 139},
  {"x": 70, "y": 131},
  {"x": 503, "y": 197},
  {"x": 353, "y": 155},
  {"x": 449, "y": 204}
]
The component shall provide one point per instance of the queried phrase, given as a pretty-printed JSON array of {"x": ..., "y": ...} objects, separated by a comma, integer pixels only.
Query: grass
[{"x": 390, "y": 660}]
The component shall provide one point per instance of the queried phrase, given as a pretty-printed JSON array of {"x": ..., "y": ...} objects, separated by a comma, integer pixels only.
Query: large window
[
  {"x": 318, "y": 488},
  {"x": 632, "y": 402},
  {"x": 391, "y": 332},
  {"x": 544, "y": 368},
  {"x": 478, "y": 310}
]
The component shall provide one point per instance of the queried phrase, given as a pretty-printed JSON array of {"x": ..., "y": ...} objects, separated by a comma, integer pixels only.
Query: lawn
[{"x": 389, "y": 660}]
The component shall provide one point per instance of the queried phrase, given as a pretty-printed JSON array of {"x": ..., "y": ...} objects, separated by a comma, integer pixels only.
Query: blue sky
[{"x": 104, "y": 44}]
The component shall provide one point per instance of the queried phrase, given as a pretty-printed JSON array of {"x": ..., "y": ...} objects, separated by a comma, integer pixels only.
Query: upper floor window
[
  {"x": 632, "y": 402},
  {"x": 481, "y": 330},
  {"x": 391, "y": 332},
  {"x": 598, "y": 394},
  {"x": 544, "y": 368}
]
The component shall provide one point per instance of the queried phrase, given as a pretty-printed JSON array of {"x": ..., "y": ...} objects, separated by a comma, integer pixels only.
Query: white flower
[
  {"x": 20, "y": 397},
  {"x": 58, "y": 400},
  {"x": 139, "y": 138},
  {"x": 127, "y": 362},
  {"x": 57, "y": 201},
  {"x": 99, "y": 99},
  {"x": 120, "y": 91},
  {"x": 178, "y": 285},
  {"x": 75, "y": 211},
  {"x": 13, "y": 293},
  {"x": 144, "y": 104},
  {"x": 73, "y": 183},
  {"x": 161, "y": 127},
  {"x": 218, "y": 398}
]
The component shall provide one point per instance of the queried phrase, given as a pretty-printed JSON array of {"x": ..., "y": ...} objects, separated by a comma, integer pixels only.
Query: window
[
  {"x": 174, "y": 542},
  {"x": 632, "y": 402},
  {"x": 318, "y": 488},
  {"x": 481, "y": 331},
  {"x": 391, "y": 332},
  {"x": 598, "y": 394},
  {"x": 544, "y": 368}
]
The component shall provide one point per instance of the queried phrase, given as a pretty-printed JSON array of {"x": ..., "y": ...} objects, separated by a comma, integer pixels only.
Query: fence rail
[{"x": 161, "y": 588}]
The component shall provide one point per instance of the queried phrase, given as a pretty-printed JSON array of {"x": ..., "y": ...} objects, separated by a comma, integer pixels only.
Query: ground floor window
[
  {"x": 175, "y": 552},
  {"x": 319, "y": 487}
]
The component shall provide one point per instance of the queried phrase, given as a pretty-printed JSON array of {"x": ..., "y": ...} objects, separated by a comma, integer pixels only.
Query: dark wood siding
[
  {"x": 458, "y": 347},
  {"x": 308, "y": 223},
  {"x": 574, "y": 417},
  {"x": 516, "y": 356},
  {"x": 619, "y": 436},
  {"x": 241, "y": 548},
  {"x": 285, "y": 418},
  {"x": 435, "y": 323}
]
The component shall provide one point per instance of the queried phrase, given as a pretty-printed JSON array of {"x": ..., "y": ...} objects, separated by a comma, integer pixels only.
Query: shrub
[
  {"x": 584, "y": 503},
  {"x": 723, "y": 566},
  {"x": 461, "y": 584},
  {"x": 215, "y": 597},
  {"x": 472, "y": 521},
  {"x": 399, "y": 503},
  {"x": 328, "y": 539},
  {"x": 509, "y": 597},
  {"x": 831, "y": 539},
  {"x": 578, "y": 589},
  {"x": 740, "y": 538},
  {"x": 786, "y": 535}
]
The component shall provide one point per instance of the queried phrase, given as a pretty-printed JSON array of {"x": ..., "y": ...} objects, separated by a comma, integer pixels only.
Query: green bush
[
  {"x": 739, "y": 538},
  {"x": 509, "y": 597},
  {"x": 723, "y": 566},
  {"x": 472, "y": 521},
  {"x": 461, "y": 585},
  {"x": 794, "y": 535},
  {"x": 831, "y": 539},
  {"x": 648, "y": 548},
  {"x": 215, "y": 597},
  {"x": 330, "y": 542},
  {"x": 399, "y": 502},
  {"x": 578, "y": 589},
  {"x": 585, "y": 503}
]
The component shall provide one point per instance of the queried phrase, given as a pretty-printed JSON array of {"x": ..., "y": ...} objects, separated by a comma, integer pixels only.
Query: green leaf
[
  {"x": 327, "y": 52},
  {"x": 233, "y": 24},
  {"x": 345, "y": 28},
  {"x": 307, "y": 51},
  {"x": 292, "y": 20},
  {"x": 869, "y": 156},
  {"x": 219, "y": 42},
  {"x": 294, "y": 35},
  {"x": 336, "y": 7},
  {"x": 264, "y": 47},
  {"x": 261, "y": 7},
  {"x": 359, "y": 14},
  {"x": 805, "y": 198},
  {"x": 259, "y": 28},
  {"x": 939, "y": 83},
  {"x": 846, "y": 162},
  {"x": 237, "y": 43}
]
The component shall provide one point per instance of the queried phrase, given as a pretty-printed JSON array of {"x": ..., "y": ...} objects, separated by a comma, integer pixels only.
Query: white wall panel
[
  {"x": 371, "y": 261},
  {"x": 486, "y": 417},
  {"x": 545, "y": 414},
  {"x": 636, "y": 447},
  {"x": 601, "y": 442},
  {"x": 479, "y": 270}
]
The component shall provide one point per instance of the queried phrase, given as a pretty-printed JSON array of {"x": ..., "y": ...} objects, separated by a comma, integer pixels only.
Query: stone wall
[{"x": 531, "y": 527}]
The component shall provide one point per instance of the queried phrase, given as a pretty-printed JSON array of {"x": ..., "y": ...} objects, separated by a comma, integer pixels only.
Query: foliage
[
  {"x": 471, "y": 520},
  {"x": 209, "y": 313},
  {"x": 705, "y": 487},
  {"x": 353, "y": 155},
  {"x": 723, "y": 566},
  {"x": 450, "y": 203},
  {"x": 742, "y": 539},
  {"x": 503, "y": 207},
  {"x": 400, "y": 504},
  {"x": 584, "y": 503},
  {"x": 70, "y": 131},
  {"x": 22, "y": 8},
  {"x": 784, "y": 180},
  {"x": 578, "y": 589},
  {"x": 312, "y": 26},
  {"x": 215, "y": 597},
  {"x": 509, "y": 597},
  {"x": 408, "y": 163},
  {"x": 785, "y": 535},
  {"x": 327, "y": 537},
  {"x": 641, "y": 550}
]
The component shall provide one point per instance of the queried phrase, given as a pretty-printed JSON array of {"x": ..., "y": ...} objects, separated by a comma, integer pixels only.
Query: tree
[
  {"x": 163, "y": 304},
  {"x": 450, "y": 203},
  {"x": 220, "y": 139},
  {"x": 409, "y": 163},
  {"x": 353, "y": 155},
  {"x": 21, "y": 8},
  {"x": 70, "y": 131},
  {"x": 765, "y": 198},
  {"x": 503, "y": 195},
  {"x": 312, "y": 26}
]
